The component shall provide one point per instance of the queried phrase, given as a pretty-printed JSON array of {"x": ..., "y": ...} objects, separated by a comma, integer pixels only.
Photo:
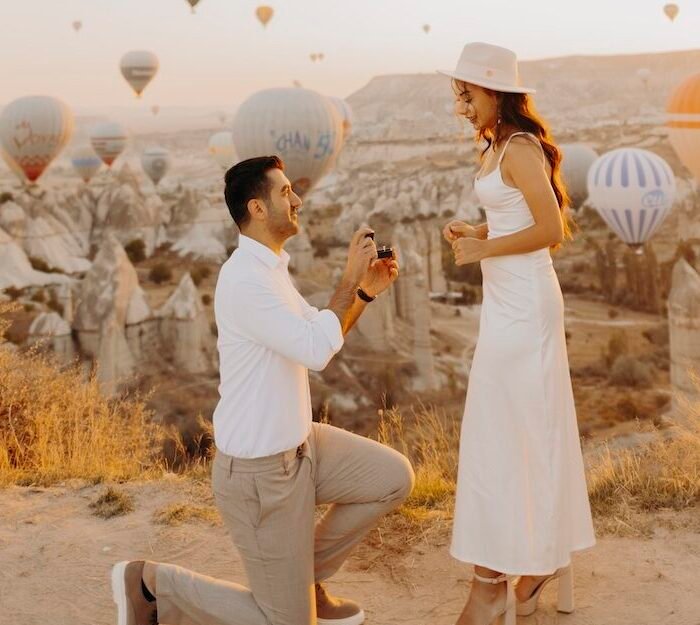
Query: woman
[{"x": 522, "y": 504}]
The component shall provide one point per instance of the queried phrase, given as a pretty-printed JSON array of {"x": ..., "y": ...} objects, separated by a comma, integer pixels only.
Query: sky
[{"x": 222, "y": 54}]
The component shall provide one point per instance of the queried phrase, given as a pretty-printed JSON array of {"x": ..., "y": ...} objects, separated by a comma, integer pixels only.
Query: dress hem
[{"x": 531, "y": 571}]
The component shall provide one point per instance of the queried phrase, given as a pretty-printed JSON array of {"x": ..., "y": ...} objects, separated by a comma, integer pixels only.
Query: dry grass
[
  {"x": 54, "y": 426},
  {"x": 179, "y": 513},
  {"x": 431, "y": 443},
  {"x": 112, "y": 503},
  {"x": 662, "y": 474}
]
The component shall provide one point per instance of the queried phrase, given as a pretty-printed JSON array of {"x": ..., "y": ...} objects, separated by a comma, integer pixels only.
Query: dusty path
[{"x": 56, "y": 556}]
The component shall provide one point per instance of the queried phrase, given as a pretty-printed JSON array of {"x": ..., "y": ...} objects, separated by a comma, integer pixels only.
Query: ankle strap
[{"x": 491, "y": 580}]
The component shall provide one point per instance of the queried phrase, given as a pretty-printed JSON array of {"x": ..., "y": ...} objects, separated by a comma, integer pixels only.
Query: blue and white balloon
[{"x": 633, "y": 191}]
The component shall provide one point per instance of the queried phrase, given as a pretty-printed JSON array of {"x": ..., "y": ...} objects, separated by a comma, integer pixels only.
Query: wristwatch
[{"x": 363, "y": 296}]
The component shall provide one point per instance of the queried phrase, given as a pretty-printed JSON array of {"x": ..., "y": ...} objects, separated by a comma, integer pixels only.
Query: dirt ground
[{"x": 56, "y": 558}]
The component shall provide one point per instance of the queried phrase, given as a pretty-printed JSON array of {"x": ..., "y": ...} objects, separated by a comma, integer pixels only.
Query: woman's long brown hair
[{"x": 518, "y": 111}]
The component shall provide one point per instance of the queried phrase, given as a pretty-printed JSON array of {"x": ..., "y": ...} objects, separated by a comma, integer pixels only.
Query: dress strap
[{"x": 503, "y": 151}]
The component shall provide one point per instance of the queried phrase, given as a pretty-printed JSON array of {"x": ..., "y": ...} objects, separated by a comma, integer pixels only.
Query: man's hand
[
  {"x": 381, "y": 275},
  {"x": 361, "y": 253}
]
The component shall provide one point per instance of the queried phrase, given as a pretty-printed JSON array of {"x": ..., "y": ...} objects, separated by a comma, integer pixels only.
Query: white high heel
[
  {"x": 565, "y": 593},
  {"x": 507, "y": 615}
]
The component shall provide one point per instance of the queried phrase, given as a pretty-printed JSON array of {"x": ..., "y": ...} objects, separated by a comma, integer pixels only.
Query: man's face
[{"x": 283, "y": 207}]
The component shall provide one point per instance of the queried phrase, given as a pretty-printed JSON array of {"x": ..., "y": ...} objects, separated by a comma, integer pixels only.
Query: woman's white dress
[{"x": 522, "y": 504}]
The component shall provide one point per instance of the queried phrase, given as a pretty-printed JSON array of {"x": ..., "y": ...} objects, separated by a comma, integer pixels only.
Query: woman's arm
[{"x": 524, "y": 164}]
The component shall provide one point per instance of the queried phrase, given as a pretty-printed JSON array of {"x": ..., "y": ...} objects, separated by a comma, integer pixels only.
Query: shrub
[
  {"x": 136, "y": 250},
  {"x": 39, "y": 296},
  {"x": 160, "y": 273},
  {"x": 630, "y": 371},
  {"x": 13, "y": 292},
  {"x": 613, "y": 313},
  {"x": 206, "y": 299},
  {"x": 199, "y": 274},
  {"x": 112, "y": 503},
  {"x": 617, "y": 346}
]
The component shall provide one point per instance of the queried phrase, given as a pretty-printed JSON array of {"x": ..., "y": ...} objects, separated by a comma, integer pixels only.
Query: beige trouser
[{"x": 268, "y": 507}]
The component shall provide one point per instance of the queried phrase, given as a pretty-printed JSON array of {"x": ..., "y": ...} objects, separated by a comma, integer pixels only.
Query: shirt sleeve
[{"x": 311, "y": 339}]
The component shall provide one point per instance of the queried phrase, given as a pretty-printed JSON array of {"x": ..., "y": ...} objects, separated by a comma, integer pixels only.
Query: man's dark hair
[{"x": 247, "y": 181}]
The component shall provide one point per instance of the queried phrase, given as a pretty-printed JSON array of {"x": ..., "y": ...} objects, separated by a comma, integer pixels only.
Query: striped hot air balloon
[
  {"x": 683, "y": 111},
  {"x": 33, "y": 131},
  {"x": 633, "y": 191},
  {"x": 221, "y": 149},
  {"x": 108, "y": 139},
  {"x": 85, "y": 162}
]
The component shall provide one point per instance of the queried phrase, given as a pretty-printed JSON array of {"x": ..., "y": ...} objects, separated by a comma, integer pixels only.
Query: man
[{"x": 272, "y": 464}]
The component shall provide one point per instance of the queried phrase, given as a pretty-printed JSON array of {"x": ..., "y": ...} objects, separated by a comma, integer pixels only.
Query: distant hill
[{"x": 573, "y": 91}]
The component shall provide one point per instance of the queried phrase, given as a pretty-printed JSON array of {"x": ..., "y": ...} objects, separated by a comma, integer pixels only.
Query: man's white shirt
[{"x": 268, "y": 338}]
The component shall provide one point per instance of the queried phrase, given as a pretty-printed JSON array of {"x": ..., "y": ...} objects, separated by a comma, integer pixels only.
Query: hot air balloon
[
  {"x": 77, "y": 25},
  {"x": 577, "y": 160},
  {"x": 221, "y": 148},
  {"x": 633, "y": 191},
  {"x": 297, "y": 124},
  {"x": 138, "y": 68},
  {"x": 155, "y": 109},
  {"x": 85, "y": 161},
  {"x": 221, "y": 116},
  {"x": 108, "y": 139},
  {"x": 320, "y": 56},
  {"x": 193, "y": 4},
  {"x": 155, "y": 162},
  {"x": 671, "y": 9},
  {"x": 426, "y": 28},
  {"x": 33, "y": 131},
  {"x": 345, "y": 112},
  {"x": 683, "y": 110},
  {"x": 644, "y": 74},
  {"x": 264, "y": 14},
  {"x": 313, "y": 56}
]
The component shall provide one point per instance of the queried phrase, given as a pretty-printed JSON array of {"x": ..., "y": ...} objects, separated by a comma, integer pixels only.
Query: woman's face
[{"x": 478, "y": 105}]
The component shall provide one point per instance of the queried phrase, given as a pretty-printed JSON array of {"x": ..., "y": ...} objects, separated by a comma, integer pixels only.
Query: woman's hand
[
  {"x": 456, "y": 230},
  {"x": 469, "y": 250}
]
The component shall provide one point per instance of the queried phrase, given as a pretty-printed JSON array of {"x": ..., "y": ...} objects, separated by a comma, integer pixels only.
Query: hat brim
[{"x": 496, "y": 86}]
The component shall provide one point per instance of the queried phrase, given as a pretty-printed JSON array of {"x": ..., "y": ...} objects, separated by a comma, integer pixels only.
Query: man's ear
[{"x": 257, "y": 210}]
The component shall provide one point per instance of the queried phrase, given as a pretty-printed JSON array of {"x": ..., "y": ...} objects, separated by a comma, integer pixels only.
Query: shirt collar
[{"x": 262, "y": 252}]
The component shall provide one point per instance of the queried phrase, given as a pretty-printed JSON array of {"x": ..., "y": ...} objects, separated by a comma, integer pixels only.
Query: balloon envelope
[
  {"x": 264, "y": 14},
  {"x": 644, "y": 75},
  {"x": 77, "y": 25},
  {"x": 671, "y": 10},
  {"x": 577, "y": 160},
  {"x": 85, "y": 161},
  {"x": 633, "y": 191},
  {"x": 155, "y": 109},
  {"x": 138, "y": 68},
  {"x": 298, "y": 125},
  {"x": 155, "y": 162},
  {"x": 221, "y": 148},
  {"x": 33, "y": 131},
  {"x": 193, "y": 4},
  {"x": 108, "y": 139},
  {"x": 426, "y": 28},
  {"x": 683, "y": 110},
  {"x": 343, "y": 108}
]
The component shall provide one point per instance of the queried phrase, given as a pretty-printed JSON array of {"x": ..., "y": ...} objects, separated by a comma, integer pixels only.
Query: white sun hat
[{"x": 488, "y": 66}]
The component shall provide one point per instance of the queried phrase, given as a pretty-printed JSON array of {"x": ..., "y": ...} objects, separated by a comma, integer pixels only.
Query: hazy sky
[{"x": 222, "y": 53}]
